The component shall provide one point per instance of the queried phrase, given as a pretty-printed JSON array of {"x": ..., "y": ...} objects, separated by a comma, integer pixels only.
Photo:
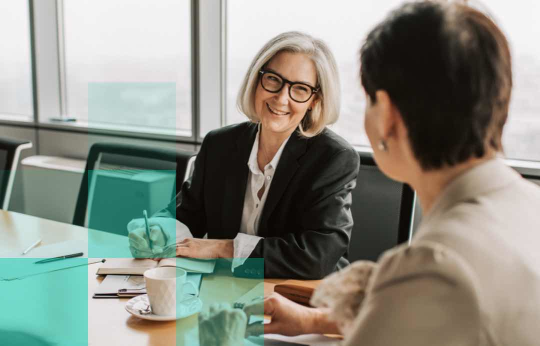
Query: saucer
[{"x": 184, "y": 309}]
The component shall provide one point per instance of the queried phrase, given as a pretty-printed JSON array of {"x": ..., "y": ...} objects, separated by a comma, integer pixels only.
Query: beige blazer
[{"x": 471, "y": 275}]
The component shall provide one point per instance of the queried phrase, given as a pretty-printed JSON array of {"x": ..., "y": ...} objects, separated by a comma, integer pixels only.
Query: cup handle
[{"x": 192, "y": 285}]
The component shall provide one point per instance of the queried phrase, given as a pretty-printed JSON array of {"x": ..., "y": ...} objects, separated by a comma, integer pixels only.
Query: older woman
[
  {"x": 438, "y": 81},
  {"x": 277, "y": 187}
]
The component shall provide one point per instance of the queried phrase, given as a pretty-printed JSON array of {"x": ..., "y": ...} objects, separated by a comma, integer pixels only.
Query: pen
[
  {"x": 147, "y": 228},
  {"x": 31, "y": 246},
  {"x": 47, "y": 260}
]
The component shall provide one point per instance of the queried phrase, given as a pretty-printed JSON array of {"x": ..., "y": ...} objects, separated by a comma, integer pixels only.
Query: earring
[
  {"x": 309, "y": 109},
  {"x": 382, "y": 145}
]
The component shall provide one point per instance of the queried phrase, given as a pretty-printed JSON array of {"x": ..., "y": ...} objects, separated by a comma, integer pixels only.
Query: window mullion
[
  {"x": 46, "y": 60},
  {"x": 210, "y": 65}
]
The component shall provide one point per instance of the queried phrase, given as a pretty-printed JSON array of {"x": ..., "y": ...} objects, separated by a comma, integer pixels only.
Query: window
[
  {"x": 128, "y": 63},
  {"x": 251, "y": 24},
  {"x": 522, "y": 131},
  {"x": 16, "y": 100}
]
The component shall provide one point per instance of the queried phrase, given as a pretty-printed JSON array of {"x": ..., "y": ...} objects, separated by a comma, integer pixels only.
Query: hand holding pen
[
  {"x": 147, "y": 228},
  {"x": 148, "y": 237}
]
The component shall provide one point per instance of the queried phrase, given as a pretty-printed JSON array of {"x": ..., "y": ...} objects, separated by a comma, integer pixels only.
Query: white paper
[
  {"x": 306, "y": 339},
  {"x": 281, "y": 340},
  {"x": 112, "y": 283}
]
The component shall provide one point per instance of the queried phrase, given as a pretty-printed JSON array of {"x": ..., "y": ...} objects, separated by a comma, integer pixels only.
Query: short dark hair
[{"x": 447, "y": 68}]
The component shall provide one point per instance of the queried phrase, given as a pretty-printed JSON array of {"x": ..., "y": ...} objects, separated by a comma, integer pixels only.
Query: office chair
[
  {"x": 10, "y": 150},
  {"x": 382, "y": 211},
  {"x": 120, "y": 181}
]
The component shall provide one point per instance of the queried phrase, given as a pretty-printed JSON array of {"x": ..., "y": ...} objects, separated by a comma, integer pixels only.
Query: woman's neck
[
  {"x": 271, "y": 141},
  {"x": 429, "y": 185}
]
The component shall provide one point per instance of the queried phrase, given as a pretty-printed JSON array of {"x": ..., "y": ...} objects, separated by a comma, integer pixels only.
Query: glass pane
[
  {"x": 15, "y": 70},
  {"x": 522, "y": 132},
  {"x": 128, "y": 61},
  {"x": 344, "y": 27}
]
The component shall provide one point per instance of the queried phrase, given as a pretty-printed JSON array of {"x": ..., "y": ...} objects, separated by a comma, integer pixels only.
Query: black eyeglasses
[{"x": 298, "y": 92}]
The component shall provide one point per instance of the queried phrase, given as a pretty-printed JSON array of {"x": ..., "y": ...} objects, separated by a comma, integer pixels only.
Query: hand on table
[
  {"x": 161, "y": 234},
  {"x": 289, "y": 318},
  {"x": 342, "y": 293},
  {"x": 205, "y": 248},
  {"x": 222, "y": 325}
]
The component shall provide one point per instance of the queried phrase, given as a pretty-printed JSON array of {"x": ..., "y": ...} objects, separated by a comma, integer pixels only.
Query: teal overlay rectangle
[
  {"x": 117, "y": 197},
  {"x": 220, "y": 317},
  {"x": 45, "y": 309},
  {"x": 151, "y": 104}
]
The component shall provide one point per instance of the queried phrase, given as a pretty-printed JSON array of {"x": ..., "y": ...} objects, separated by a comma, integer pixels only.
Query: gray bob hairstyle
[{"x": 323, "y": 112}]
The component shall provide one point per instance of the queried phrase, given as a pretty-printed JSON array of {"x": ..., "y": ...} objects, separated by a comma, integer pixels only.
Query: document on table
[
  {"x": 282, "y": 340},
  {"x": 134, "y": 284},
  {"x": 112, "y": 283},
  {"x": 299, "y": 340}
]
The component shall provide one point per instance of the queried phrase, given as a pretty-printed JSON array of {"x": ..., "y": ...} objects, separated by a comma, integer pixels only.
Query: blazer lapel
[
  {"x": 235, "y": 182},
  {"x": 287, "y": 166}
]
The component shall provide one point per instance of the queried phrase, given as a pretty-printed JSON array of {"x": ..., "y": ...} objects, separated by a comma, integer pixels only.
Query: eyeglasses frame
[{"x": 286, "y": 81}]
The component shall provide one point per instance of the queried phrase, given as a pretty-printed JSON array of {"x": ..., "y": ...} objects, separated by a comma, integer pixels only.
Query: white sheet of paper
[
  {"x": 306, "y": 339},
  {"x": 112, "y": 283},
  {"x": 281, "y": 340}
]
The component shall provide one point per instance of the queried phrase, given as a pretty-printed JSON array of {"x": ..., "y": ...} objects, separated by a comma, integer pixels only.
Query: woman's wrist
[
  {"x": 318, "y": 322},
  {"x": 226, "y": 248}
]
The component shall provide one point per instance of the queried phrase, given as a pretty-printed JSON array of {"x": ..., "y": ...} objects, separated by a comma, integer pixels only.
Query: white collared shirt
[{"x": 246, "y": 240}]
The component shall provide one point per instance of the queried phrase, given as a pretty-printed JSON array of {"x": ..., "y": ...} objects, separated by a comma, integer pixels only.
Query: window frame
[
  {"x": 208, "y": 78},
  {"x": 49, "y": 84}
]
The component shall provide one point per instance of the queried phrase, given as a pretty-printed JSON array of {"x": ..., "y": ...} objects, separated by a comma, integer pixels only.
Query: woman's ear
[
  {"x": 389, "y": 115},
  {"x": 314, "y": 102}
]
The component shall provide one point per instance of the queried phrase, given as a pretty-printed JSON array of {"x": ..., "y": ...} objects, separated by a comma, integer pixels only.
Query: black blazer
[{"x": 306, "y": 222}]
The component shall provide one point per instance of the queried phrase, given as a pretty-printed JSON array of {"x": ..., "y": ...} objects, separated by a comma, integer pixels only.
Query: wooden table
[{"x": 108, "y": 321}]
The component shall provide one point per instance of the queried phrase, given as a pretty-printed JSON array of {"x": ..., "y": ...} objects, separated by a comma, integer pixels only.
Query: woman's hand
[
  {"x": 205, "y": 248},
  {"x": 342, "y": 293},
  {"x": 222, "y": 325},
  {"x": 290, "y": 318},
  {"x": 139, "y": 244}
]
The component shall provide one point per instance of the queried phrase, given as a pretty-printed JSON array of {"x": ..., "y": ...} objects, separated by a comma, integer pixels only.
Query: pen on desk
[
  {"x": 31, "y": 246},
  {"x": 47, "y": 260},
  {"x": 147, "y": 227}
]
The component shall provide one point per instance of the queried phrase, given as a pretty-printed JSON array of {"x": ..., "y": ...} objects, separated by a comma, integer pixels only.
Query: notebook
[
  {"x": 119, "y": 286},
  {"x": 133, "y": 266}
]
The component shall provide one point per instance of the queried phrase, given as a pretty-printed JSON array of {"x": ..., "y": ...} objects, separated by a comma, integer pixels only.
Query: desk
[{"x": 108, "y": 322}]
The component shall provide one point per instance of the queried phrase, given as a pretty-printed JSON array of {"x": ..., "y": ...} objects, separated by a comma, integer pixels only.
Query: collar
[{"x": 252, "y": 161}]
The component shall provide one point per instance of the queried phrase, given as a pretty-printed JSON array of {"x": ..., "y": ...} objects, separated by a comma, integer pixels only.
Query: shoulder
[
  {"x": 230, "y": 133},
  {"x": 329, "y": 141},
  {"x": 425, "y": 288},
  {"x": 426, "y": 261},
  {"x": 329, "y": 145}
]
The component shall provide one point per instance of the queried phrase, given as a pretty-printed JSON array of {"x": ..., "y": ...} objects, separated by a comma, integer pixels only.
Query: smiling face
[{"x": 278, "y": 113}]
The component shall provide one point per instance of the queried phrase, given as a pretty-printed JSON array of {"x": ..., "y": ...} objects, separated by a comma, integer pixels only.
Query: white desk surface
[{"x": 108, "y": 321}]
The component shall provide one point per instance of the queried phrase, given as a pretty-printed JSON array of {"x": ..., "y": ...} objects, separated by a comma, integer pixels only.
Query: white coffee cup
[{"x": 165, "y": 288}]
